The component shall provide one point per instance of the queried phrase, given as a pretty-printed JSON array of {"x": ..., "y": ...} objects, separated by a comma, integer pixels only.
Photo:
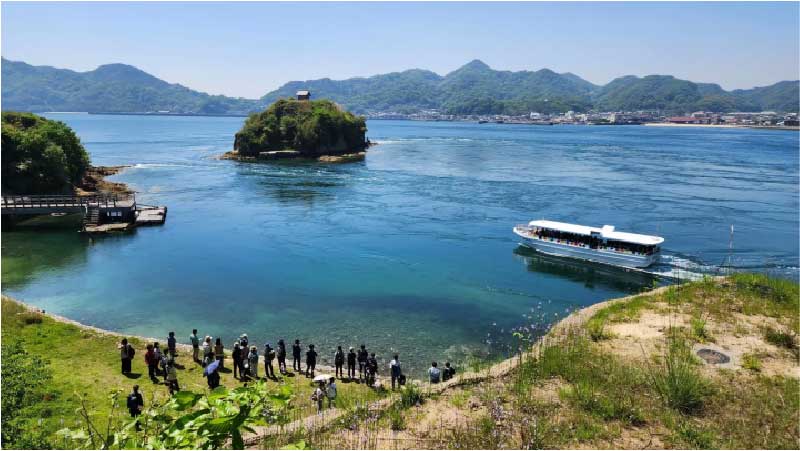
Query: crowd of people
[{"x": 362, "y": 365}]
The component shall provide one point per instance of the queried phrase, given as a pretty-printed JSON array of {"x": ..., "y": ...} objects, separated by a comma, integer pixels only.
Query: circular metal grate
[{"x": 713, "y": 357}]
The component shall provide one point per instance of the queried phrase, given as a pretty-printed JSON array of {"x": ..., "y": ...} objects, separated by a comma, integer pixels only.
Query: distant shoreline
[
  {"x": 649, "y": 124},
  {"x": 759, "y": 127},
  {"x": 100, "y": 113}
]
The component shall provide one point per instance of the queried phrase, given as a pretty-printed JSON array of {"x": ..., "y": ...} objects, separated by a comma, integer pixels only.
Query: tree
[
  {"x": 313, "y": 128},
  {"x": 40, "y": 156}
]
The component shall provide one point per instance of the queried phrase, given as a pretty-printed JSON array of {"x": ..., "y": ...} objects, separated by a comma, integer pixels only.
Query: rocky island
[{"x": 301, "y": 129}]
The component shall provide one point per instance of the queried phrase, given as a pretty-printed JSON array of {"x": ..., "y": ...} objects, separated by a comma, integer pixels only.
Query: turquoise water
[{"x": 410, "y": 250}]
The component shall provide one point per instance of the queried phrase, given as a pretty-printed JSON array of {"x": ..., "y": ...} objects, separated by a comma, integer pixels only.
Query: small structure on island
[{"x": 304, "y": 94}]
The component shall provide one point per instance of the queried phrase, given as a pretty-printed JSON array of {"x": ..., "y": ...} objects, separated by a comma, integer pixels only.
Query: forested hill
[
  {"x": 111, "y": 88},
  {"x": 475, "y": 88}
]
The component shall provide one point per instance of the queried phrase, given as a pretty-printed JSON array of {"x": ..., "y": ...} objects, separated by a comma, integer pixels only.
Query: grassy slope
[
  {"x": 87, "y": 362},
  {"x": 582, "y": 390}
]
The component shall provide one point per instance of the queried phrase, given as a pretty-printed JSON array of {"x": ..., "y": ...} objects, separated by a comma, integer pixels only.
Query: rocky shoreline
[
  {"x": 94, "y": 181},
  {"x": 293, "y": 155}
]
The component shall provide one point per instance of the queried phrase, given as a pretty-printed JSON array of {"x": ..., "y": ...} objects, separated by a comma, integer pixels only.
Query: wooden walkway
[{"x": 45, "y": 204}]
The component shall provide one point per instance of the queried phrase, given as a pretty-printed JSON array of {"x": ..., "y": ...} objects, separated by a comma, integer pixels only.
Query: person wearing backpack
[
  {"x": 372, "y": 369},
  {"x": 434, "y": 373},
  {"x": 269, "y": 356},
  {"x": 126, "y": 353},
  {"x": 253, "y": 361},
  {"x": 351, "y": 364},
  {"x": 296, "y": 350},
  {"x": 281, "y": 356},
  {"x": 449, "y": 372},
  {"x": 135, "y": 404},
  {"x": 338, "y": 362}
]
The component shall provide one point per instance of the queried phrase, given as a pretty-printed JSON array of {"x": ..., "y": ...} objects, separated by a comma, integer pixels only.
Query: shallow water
[{"x": 410, "y": 250}]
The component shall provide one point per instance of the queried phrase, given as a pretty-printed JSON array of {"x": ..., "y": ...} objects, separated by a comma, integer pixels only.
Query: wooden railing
[{"x": 14, "y": 202}]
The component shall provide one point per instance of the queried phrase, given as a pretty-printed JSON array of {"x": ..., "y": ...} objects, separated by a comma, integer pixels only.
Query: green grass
[
  {"x": 624, "y": 311},
  {"x": 781, "y": 339},
  {"x": 751, "y": 362},
  {"x": 87, "y": 363}
]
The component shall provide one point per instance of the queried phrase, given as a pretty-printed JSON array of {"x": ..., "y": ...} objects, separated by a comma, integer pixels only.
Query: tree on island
[
  {"x": 312, "y": 128},
  {"x": 40, "y": 156}
]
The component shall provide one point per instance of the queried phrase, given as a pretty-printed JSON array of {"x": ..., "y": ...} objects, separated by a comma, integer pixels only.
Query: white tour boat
[{"x": 602, "y": 245}]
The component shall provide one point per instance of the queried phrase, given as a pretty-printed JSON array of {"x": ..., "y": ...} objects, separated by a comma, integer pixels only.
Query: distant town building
[{"x": 303, "y": 95}]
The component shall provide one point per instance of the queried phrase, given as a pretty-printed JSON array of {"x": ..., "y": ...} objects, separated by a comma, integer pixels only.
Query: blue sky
[{"x": 248, "y": 49}]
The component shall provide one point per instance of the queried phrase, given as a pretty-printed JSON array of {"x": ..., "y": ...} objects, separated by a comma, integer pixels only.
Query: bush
[
  {"x": 751, "y": 362},
  {"x": 596, "y": 327},
  {"x": 396, "y": 419},
  {"x": 780, "y": 339},
  {"x": 24, "y": 386},
  {"x": 678, "y": 382},
  {"x": 410, "y": 396},
  {"x": 40, "y": 156},
  {"x": 699, "y": 330}
]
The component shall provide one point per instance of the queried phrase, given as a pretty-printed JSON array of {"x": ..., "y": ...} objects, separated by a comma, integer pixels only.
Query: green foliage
[
  {"x": 40, "y": 155},
  {"x": 751, "y": 362},
  {"x": 678, "y": 382},
  {"x": 113, "y": 88},
  {"x": 696, "y": 437},
  {"x": 781, "y": 339},
  {"x": 474, "y": 88},
  {"x": 24, "y": 386},
  {"x": 699, "y": 330},
  {"x": 188, "y": 420},
  {"x": 596, "y": 327},
  {"x": 396, "y": 419},
  {"x": 410, "y": 395},
  {"x": 311, "y": 127}
]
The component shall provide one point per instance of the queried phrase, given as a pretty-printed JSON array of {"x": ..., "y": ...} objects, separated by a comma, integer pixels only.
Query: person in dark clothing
[
  {"x": 126, "y": 353},
  {"x": 372, "y": 369},
  {"x": 282, "y": 356},
  {"x": 135, "y": 404},
  {"x": 152, "y": 363},
  {"x": 172, "y": 343},
  {"x": 338, "y": 362},
  {"x": 363, "y": 355},
  {"x": 311, "y": 361},
  {"x": 213, "y": 378},
  {"x": 351, "y": 364},
  {"x": 236, "y": 355},
  {"x": 269, "y": 356},
  {"x": 296, "y": 350},
  {"x": 394, "y": 367},
  {"x": 448, "y": 372}
]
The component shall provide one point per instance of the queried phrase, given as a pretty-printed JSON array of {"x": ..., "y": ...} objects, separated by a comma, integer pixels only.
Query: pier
[{"x": 101, "y": 212}]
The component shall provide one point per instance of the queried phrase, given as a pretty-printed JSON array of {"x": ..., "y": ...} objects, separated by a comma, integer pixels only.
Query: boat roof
[{"x": 607, "y": 231}]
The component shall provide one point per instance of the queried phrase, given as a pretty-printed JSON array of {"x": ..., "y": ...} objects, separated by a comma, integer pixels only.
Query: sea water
[{"x": 411, "y": 250}]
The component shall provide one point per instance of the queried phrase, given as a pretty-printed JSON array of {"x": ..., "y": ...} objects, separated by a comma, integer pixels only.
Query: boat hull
[{"x": 593, "y": 255}]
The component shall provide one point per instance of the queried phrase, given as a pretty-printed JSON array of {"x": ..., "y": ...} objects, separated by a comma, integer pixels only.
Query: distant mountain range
[{"x": 475, "y": 88}]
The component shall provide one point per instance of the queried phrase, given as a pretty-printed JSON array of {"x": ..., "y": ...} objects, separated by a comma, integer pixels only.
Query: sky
[{"x": 249, "y": 49}]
